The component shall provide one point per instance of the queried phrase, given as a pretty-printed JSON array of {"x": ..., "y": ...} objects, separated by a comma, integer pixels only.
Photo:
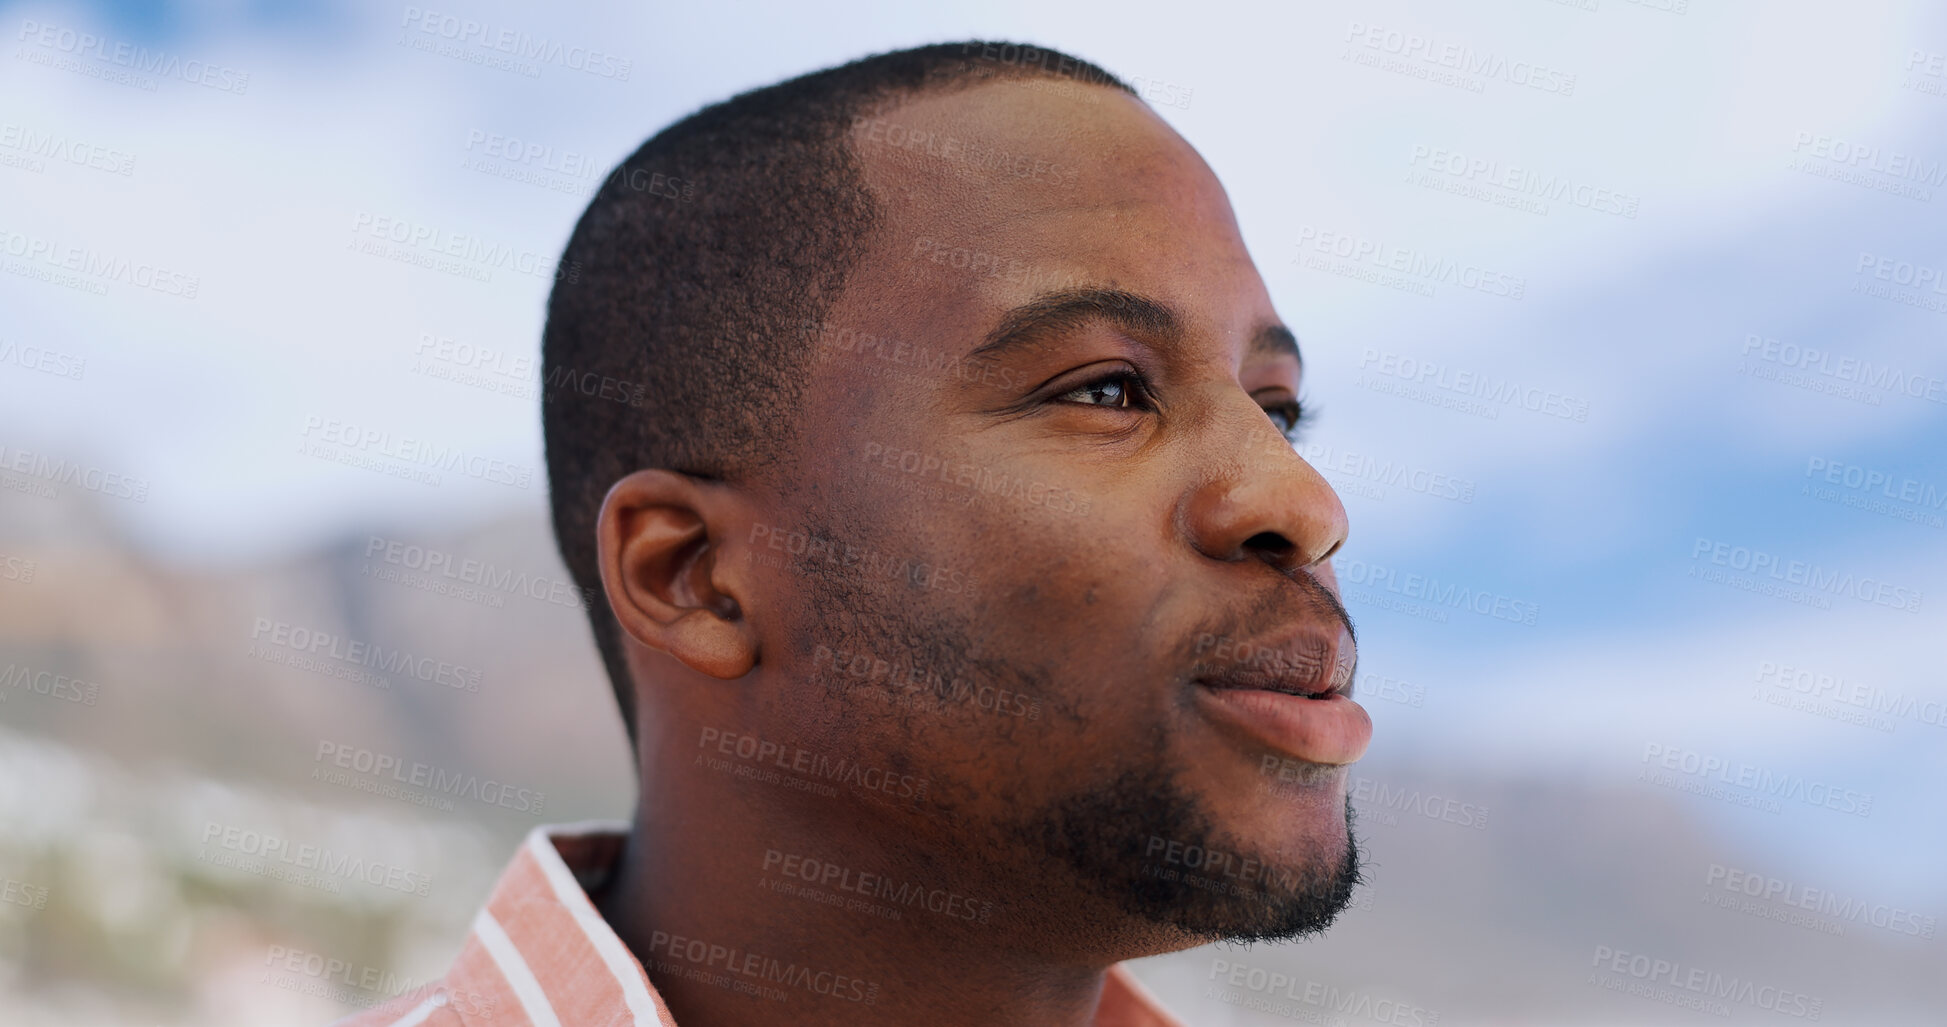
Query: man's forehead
[
  {"x": 996, "y": 194},
  {"x": 1021, "y": 144}
]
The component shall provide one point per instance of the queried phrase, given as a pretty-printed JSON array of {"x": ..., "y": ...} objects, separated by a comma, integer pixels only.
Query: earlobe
[{"x": 661, "y": 538}]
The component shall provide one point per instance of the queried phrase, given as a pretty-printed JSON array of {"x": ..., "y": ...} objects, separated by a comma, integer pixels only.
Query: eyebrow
[
  {"x": 1276, "y": 340},
  {"x": 1146, "y": 319}
]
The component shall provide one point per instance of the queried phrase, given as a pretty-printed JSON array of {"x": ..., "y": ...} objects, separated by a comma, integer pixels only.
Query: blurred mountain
[
  {"x": 189, "y": 709},
  {"x": 206, "y": 670}
]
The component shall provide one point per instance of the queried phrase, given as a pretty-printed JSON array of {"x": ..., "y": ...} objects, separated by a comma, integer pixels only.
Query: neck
[{"x": 749, "y": 902}]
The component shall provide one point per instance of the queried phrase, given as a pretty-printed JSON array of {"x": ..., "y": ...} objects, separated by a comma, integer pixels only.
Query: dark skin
[{"x": 1148, "y": 498}]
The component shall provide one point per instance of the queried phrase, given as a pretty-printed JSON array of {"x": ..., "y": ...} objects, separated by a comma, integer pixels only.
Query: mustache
[{"x": 1271, "y": 616}]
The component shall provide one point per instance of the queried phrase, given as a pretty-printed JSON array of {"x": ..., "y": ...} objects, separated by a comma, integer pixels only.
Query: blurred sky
[{"x": 1718, "y": 123}]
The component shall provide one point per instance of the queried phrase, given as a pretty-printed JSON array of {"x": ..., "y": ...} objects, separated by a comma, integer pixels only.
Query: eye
[
  {"x": 1291, "y": 417},
  {"x": 1121, "y": 389}
]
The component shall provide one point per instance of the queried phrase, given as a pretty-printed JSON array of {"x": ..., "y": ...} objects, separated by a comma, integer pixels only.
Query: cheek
[{"x": 1066, "y": 598}]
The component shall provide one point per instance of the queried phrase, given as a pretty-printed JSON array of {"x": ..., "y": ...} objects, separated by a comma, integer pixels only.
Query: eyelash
[{"x": 1297, "y": 415}]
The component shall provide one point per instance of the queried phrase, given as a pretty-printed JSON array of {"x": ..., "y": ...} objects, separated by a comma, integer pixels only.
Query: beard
[
  {"x": 1102, "y": 837},
  {"x": 1149, "y": 848}
]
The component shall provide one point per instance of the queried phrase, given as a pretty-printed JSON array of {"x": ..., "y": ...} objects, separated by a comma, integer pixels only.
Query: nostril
[{"x": 1270, "y": 543}]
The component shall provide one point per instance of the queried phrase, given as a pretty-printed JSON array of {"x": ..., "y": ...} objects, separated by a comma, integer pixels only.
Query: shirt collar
[{"x": 563, "y": 964}]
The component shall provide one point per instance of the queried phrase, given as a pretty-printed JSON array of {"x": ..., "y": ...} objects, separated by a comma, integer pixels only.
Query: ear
[{"x": 660, "y": 540}]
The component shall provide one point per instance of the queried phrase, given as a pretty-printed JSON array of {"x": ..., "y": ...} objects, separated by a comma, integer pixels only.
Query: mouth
[
  {"x": 1301, "y": 685},
  {"x": 1293, "y": 696}
]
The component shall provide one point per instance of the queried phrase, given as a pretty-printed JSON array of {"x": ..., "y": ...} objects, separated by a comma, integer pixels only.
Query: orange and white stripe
[{"x": 540, "y": 955}]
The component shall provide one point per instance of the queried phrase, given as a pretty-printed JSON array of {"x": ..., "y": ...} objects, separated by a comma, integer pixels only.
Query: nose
[{"x": 1259, "y": 499}]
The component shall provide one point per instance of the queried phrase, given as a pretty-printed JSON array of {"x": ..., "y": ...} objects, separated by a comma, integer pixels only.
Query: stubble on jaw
[
  {"x": 1130, "y": 844},
  {"x": 1100, "y": 840}
]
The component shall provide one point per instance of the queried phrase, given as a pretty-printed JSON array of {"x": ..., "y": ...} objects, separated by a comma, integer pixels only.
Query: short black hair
[{"x": 676, "y": 330}]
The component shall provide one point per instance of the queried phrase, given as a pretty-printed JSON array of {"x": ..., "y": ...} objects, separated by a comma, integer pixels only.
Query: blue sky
[{"x": 1711, "y": 121}]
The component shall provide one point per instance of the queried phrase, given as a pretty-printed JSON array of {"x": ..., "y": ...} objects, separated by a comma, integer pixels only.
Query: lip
[
  {"x": 1293, "y": 697},
  {"x": 1333, "y": 730}
]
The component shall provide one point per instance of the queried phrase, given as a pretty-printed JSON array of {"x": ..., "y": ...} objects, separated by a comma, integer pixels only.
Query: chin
[
  {"x": 1283, "y": 892},
  {"x": 1168, "y": 857}
]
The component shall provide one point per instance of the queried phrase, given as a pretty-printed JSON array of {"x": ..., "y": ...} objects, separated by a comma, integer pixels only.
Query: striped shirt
[{"x": 540, "y": 955}]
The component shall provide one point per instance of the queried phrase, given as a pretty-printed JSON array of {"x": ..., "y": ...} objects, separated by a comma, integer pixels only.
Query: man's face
[{"x": 1065, "y": 549}]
